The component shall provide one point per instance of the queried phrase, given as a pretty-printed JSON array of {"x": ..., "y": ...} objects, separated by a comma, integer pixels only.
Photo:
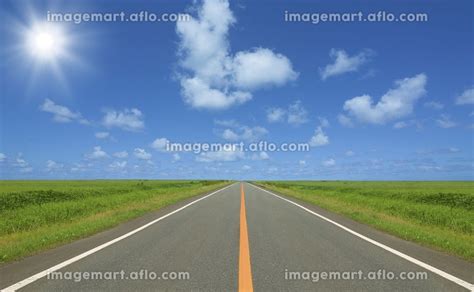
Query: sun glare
[{"x": 46, "y": 42}]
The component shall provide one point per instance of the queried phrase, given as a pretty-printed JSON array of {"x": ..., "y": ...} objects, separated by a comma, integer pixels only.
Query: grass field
[
  {"x": 435, "y": 214},
  {"x": 36, "y": 215}
]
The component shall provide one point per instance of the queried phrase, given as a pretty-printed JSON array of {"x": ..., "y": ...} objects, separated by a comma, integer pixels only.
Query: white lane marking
[
  {"x": 430, "y": 268},
  {"x": 41, "y": 274}
]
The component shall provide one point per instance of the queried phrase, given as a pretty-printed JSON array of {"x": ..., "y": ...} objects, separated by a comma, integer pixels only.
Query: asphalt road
[{"x": 223, "y": 245}]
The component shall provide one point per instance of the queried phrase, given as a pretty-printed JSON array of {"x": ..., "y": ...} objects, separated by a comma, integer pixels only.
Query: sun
[{"x": 46, "y": 42}]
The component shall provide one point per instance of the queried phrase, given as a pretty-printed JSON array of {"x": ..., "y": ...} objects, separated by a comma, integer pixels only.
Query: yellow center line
[{"x": 245, "y": 271}]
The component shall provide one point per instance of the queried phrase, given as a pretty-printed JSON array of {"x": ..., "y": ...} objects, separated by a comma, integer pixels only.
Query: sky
[{"x": 370, "y": 100}]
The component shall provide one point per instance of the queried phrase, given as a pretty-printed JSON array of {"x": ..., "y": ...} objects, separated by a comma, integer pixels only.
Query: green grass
[
  {"x": 439, "y": 215},
  {"x": 37, "y": 215}
]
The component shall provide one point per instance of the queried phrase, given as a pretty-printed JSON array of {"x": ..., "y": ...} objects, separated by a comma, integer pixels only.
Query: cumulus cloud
[
  {"x": 97, "y": 153},
  {"x": 406, "y": 124},
  {"x": 319, "y": 138},
  {"x": 396, "y": 103},
  {"x": 141, "y": 154},
  {"x": 160, "y": 144},
  {"x": 345, "y": 121},
  {"x": 275, "y": 115},
  {"x": 22, "y": 165},
  {"x": 121, "y": 154},
  {"x": 237, "y": 132},
  {"x": 62, "y": 114},
  {"x": 350, "y": 153},
  {"x": 467, "y": 97},
  {"x": 53, "y": 166},
  {"x": 344, "y": 63},
  {"x": 117, "y": 166},
  {"x": 127, "y": 119},
  {"x": 444, "y": 121},
  {"x": 296, "y": 114},
  {"x": 261, "y": 67},
  {"x": 102, "y": 135},
  {"x": 212, "y": 77},
  {"x": 2, "y": 157}
]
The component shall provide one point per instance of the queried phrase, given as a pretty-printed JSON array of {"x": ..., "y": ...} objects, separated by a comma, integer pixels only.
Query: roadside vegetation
[
  {"x": 36, "y": 215},
  {"x": 439, "y": 215}
]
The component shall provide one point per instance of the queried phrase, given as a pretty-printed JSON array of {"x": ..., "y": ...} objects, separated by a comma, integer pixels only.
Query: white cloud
[
  {"x": 121, "y": 154},
  {"x": 102, "y": 135},
  {"x": 222, "y": 155},
  {"x": 275, "y": 115},
  {"x": 444, "y": 121},
  {"x": 117, "y": 166},
  {"x": 329, "y": 162},
  {"x": 261, "y": 67},
  {"x": 62, "y": 114},
  {"x": 97, "y": 153},
  {"x": 199, "y": 94},
  {"x": 467, "y": 97},
  {"x": 229, "y": 134},
  {"x": 344, "y": 63},
  {"x": 80, "y": 167},
  {"x": 238, "y": 132},
  {"x": 350, "y": 153},
  {"x": 141, "y": 154},
  {"x": 409, "y": 123},
  {"x": 160, "y": 144},
  {"x": 128, "y": 119},
  {"x": 302, "y": 162},
  {"x": 345, "y": 121},
  {"x": 319, "y": 138},
  {"x": 53, "y": 166},
  {"x": 434, "y": 105},
  {"x": 22, "y": 164},
  {"x": 396, "y": 103},
  {"x": 2, "y": 157},
  {"x": 213, "y": 78},
  {"x": 296, "y": 114}
]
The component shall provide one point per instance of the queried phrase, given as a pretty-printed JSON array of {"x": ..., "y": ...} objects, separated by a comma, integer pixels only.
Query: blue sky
[{"x": 374, "y": 100}]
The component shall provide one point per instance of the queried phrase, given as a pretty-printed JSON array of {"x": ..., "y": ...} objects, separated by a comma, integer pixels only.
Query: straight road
[{"x": 245, "y": 238}]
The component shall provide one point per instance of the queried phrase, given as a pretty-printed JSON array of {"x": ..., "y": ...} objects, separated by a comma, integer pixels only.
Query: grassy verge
[
  {"x": 439, "y": 215},
  {"x": 37, "y": 215}
]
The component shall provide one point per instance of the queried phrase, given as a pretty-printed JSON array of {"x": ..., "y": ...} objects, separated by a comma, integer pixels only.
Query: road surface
[{"x": 241, "y": 238}]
